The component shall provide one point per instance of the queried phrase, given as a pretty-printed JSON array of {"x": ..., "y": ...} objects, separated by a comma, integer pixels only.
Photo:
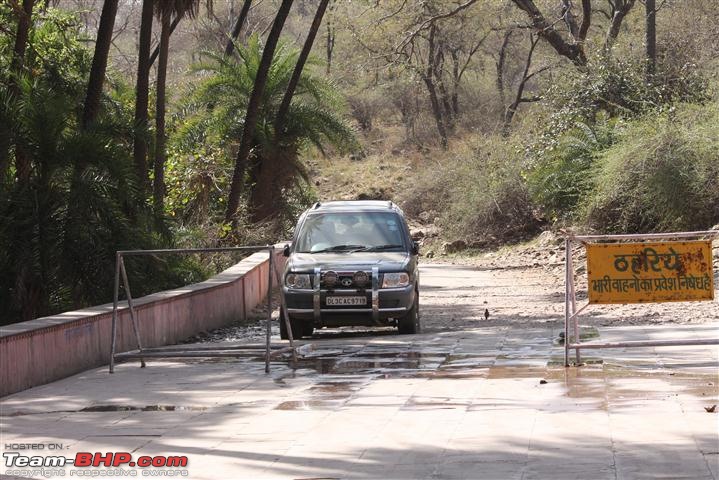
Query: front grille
[{"x": 346, "y": 280}]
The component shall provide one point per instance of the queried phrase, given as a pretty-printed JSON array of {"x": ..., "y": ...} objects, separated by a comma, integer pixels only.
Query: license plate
[{"x": 351, "y": 301}]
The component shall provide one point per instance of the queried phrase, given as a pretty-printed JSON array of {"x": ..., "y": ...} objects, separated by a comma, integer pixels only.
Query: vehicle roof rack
[{"x": 316, "y": 205}]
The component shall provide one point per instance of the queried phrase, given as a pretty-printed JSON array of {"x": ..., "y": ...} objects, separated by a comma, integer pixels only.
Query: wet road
[{"x": 468, "y": 398}]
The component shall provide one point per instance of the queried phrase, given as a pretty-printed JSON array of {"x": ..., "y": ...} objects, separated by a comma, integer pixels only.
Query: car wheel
[
  {"x": 297, "y": 329},
  {"x": 410, "y": 322},
  {"x": 307, "y": 330}
]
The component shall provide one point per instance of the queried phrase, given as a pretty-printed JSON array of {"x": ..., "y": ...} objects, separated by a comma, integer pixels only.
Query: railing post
[
  {"x": 567, "y": 263},
  {"x": 135, "y": 326},
  {"x": 114, "y": 312},
  {"x": 270, "y": 274}
]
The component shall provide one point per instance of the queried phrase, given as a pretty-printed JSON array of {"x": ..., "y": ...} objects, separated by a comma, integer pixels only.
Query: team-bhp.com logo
[{"x": 97, "y": 459}]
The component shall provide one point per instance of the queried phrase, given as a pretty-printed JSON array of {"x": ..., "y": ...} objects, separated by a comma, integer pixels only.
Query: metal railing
[
  {"x": 571, "y": 313},
  {"x": 194, "y": 351}
]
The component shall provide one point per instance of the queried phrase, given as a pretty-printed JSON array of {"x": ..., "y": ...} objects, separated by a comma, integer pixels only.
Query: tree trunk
[
  {"x": 297, "y": 73},
  {"x": 518, "y": 98},
  {"x": 436, "y": 110},
  {"x": 622, "y": 8},
  {"x": 142, "y": 91},
  {"x": 651, "y": 38},
  {"x": 543, "y": 28},
  {"x": 432, "y": 89},
  {"x": 455, "y": 82},
  {"x": 99, "y": 62},
  {"x": 253, "y": 107},
  {"x": 22, "y": 162},
  {"x": 330, "y": 46},
  {"x": 238, "y": 27},
  {"x": 156, "y": 51},
  {"x": 158, "y": 187},
  {"x": 500, "y": 67}
]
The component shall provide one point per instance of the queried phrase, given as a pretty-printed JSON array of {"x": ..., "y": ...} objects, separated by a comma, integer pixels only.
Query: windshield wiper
[
  {"x": 340, "y": 248},
  {"x": 379, "y": 248}
]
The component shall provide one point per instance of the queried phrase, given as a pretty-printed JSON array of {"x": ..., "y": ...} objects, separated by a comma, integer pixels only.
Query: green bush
[
  {"x": 663, "y": 175},
  {"x": 562, "y": 175}
]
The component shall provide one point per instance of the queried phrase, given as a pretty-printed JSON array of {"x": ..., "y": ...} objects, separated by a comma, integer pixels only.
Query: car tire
[
  {"x": 297, "y": 328},
  {"x": 410, "y": 324},
  {"x": 307, "y": 329}
]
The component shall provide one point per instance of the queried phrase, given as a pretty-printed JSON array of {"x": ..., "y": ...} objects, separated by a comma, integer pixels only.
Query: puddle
[
  {"x": 342, "y": 372},
  {"x": 309, "y": 405},
  {"x": 114, "y": 408},
  {"x": 148, "y": 408}
]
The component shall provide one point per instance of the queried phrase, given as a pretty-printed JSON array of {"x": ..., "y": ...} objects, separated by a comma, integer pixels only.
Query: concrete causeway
[{"x": 467, "y": 399}]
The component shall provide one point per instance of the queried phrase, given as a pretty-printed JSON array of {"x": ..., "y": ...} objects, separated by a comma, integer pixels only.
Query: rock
[
  {"x": 454, "y": 247},
  {"x": 478, "y": 244},
  {"x": 424, "y": 216},
  {"x": 548, "y": 239},
  {"x": 396, "y": 152},
  {"x": 358, "y": 156},
  {"x": 429, "y": 254},
  {"x": 416, "y": 234}
]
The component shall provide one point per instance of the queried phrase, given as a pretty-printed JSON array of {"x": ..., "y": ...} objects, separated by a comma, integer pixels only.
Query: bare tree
[
  {"x": 572, "y": 47},
  {"x": 331, "y": 35},
  {"x": 651, "y": 37},
  {"x": 620, "y": 9},
  {"x": 519, "y": 97},
  {"x": 499, "y": 64}
]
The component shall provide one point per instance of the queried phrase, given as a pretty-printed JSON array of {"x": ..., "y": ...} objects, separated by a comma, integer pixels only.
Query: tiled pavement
[{"x": 487, "y": 403}]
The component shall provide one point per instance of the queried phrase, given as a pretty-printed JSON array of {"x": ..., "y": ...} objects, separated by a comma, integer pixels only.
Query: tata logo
[{"x": 346, "y": 282}]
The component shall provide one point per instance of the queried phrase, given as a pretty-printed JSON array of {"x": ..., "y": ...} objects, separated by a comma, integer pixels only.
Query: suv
[{"x": 351, "y": 263}]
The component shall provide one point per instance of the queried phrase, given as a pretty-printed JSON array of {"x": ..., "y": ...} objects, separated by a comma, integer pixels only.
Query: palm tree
[
  {"x": 311, "y": 118},
  {"x": 99, "y": 62},
  {"x": 142, "y": 93},
  {"x": 24, "y": 22},
  {"x": 252, "y": 110},
  {"x": 238, "y": 27},
  {"x": 299, "y": 66},
  {"x": 165, "y": 10}
]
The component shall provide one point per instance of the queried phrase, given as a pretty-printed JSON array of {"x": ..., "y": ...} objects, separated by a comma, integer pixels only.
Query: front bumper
[{"x": 381, "y": 303}]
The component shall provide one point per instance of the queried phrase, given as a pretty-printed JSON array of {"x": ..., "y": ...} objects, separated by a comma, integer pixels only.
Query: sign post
[{"x": 630, "y": 271}]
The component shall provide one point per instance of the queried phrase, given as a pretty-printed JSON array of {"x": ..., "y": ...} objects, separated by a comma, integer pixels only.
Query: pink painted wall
[{"x": 46, "y": 349}]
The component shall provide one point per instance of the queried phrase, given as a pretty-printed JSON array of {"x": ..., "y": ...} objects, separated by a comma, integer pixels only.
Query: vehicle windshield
[{"x": 345, "y": 231}]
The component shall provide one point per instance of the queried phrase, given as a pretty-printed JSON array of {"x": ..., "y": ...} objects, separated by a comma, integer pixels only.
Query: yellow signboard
[{"x": 650, "y": 272}]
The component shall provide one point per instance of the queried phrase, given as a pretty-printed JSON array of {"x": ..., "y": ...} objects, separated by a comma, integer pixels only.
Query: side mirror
[
  {"x": 286, "y": 251},
  {"x": 415, "y": 248}
]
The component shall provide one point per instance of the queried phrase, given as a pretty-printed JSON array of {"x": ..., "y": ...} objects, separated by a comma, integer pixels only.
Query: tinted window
[{"x": 323, "y": 231}]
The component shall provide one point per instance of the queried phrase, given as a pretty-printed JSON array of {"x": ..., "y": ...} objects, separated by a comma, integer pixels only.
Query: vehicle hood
[{"x": 341, "y": 261}]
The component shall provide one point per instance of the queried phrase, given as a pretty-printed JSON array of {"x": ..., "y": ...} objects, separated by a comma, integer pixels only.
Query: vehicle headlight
[
  {"x": 391, "y": 280},
  {"x": 298, "y": 280}
]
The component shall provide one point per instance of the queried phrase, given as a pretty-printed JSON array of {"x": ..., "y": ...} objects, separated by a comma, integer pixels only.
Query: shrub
[
  {"x": 562, "y": 175},
  {"x": 662, "y": 176},
  {"x": 480, "y": 195}
]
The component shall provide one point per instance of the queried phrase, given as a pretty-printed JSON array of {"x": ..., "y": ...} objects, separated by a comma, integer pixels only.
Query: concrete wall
[{"x": 47, "y": 349}]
